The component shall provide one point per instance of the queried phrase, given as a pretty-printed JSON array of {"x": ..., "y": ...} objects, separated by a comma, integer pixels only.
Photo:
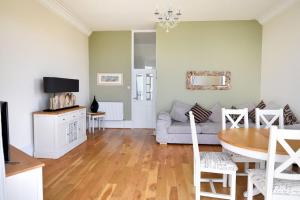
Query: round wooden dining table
[{"x": 253, "y": 143}]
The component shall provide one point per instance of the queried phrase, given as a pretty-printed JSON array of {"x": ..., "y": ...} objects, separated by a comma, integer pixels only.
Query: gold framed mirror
[{"x": 208, "y": 80}]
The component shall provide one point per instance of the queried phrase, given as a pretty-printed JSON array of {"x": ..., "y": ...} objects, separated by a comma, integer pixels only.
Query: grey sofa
[{"x": 171, "y": 131}]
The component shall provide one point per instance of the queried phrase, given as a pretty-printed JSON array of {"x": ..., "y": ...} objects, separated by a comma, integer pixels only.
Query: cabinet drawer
[
  {"x": 74, "y": 115},
  {"x": 69, "y": 116},
  {"x": 64, "y": 118}
]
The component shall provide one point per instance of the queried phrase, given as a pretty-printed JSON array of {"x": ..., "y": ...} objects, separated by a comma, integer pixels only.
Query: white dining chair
[
  {"x": 276, "y": 182},
  {"x": 211, "y": 162},
  {"x": 268, "y": 118},
  {"x": 234, "y": 116}
]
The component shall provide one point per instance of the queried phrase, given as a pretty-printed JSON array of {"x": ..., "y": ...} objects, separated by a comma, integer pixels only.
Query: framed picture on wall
[{"x": 110, "y": 79}]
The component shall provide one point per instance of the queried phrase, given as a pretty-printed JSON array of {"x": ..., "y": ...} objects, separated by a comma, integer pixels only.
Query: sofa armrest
[{"x": 164, "y": 120}]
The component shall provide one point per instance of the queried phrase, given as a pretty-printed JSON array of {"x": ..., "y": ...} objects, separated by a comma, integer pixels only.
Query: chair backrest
[
  {"x": 293, "y": 157},
  {"x": 229, "y": 113},
  {"x": 268, "y": 118},
  {"x": 194, "y": 138}
]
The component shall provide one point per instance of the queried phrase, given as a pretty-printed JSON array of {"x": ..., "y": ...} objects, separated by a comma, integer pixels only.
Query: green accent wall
[
  {"x": 221, "y": 45},
  {"x": 110, "y": 52}
]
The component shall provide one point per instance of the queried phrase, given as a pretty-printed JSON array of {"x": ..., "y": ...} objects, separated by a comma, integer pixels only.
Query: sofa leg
[{"x": 163, "y": 143}]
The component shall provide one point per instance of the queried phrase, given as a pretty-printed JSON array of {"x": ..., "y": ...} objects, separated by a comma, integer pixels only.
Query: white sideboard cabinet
[
  {"x": 56, "y": 133},
  {"x": 24, "y": 176}
]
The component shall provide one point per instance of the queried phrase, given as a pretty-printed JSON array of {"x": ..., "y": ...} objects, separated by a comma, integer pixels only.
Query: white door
[
  {"x": 143, "y": 102},
  {"x": 143, "y": 79}
]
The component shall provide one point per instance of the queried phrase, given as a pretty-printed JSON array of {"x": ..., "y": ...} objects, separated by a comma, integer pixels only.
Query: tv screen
[
  {"x": 5, "y": 129},
  {"x": 57, "y": 85}
]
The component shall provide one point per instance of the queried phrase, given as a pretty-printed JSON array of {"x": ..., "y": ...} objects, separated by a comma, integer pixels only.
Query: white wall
[
  {"x": 280, "y": 81},
  {"x": 36, "y": 43},
  {"x": 2, "y": 168}
]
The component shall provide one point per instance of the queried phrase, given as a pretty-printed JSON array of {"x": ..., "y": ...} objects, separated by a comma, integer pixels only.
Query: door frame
[{"x": 132, "y": 68}]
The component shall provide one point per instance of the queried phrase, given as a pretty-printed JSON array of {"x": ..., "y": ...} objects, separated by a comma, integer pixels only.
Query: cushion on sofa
[
  {"x": 289, "y": 116},
  {"x": 216, "y": 115},
  {"x": 200, "y": 113},
  {"x": 261, "y": 105},
  {"x": 178, "y": 111},
  {"x": 182, "y": 128}
]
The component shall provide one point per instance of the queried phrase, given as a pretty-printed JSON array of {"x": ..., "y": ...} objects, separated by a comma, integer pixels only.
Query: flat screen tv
[
  {"x": 57, "y": 85},
  {"x": 5, "y": 129}
]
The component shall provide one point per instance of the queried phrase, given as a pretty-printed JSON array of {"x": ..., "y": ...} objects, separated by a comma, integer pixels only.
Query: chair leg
[
  {"x": 225, "y": 180},
  {"x": 229, "y": 180},
  {"x": 197, "y": 184},
  {"x": 197, "y": 192},
  {"x": 233, "y": 186},
  {"x": 262, "y": 165},
  {"x": 250, "y": 189}
]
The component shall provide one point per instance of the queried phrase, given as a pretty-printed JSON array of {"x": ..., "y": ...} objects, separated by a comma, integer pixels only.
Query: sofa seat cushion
[
  {"x": 215, "y": 128},
  {"x": 203, "y": 128},
  {"x": 294, "y": 126},
  {"x": 182, "y": 128},
  {"x": 210, "y": 127}
]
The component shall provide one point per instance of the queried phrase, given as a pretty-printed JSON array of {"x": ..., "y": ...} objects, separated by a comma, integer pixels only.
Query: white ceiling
[{"x": 138, "y": 14}]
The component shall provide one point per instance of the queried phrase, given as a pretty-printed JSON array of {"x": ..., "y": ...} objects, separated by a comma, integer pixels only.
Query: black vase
[{"x": 94, "y": 106}]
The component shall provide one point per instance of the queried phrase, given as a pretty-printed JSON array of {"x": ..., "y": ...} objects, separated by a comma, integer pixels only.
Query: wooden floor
[{"x": 126, "y": 164}]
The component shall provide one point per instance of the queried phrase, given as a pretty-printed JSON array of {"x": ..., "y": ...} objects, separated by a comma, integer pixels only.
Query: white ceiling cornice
[
  {"x": 60, "y": 10},
  {"x": 275, "y": 11}
]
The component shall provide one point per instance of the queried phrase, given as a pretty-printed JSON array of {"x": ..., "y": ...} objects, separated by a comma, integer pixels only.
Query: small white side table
[{"x": 99, "y": 116}]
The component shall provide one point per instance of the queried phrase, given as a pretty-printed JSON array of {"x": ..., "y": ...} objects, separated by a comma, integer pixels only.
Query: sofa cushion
[
  {"x": 289, "y": 116},
  {"x": 200, "y": 113},
  {"x": 215, "y": 128},
  {"x": 261, "y": 105},
  {"x": 203, "y": 128},
  {"x": 216, "y": 115},
  {"x": 178, "y": 111},
  {"x": 294, "y": 126},
  {"x": 182, "y": 128},
  {"x": 210, "y": 127}
]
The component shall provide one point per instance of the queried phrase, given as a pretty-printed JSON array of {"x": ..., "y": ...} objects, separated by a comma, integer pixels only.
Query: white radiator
[{"x": 113, "y": 110}]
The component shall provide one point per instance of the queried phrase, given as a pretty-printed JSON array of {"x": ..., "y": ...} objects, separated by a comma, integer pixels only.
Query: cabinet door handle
[{"x": 64, "y": 119}]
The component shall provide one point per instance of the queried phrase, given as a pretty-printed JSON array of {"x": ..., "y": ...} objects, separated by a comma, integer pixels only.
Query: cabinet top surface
[
  {"x": 20, "y": 162},
  {"x": 58, "y": 112}
]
